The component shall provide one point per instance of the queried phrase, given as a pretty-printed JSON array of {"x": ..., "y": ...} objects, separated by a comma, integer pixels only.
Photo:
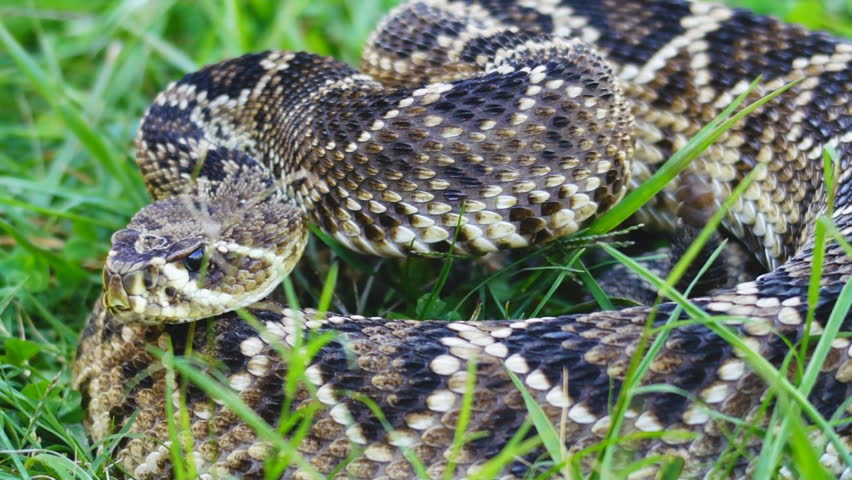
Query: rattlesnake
[{"x": 473, "y": 126}]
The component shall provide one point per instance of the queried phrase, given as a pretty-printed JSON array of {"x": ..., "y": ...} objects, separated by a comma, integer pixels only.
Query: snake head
[{"x": 189, "y": 257}]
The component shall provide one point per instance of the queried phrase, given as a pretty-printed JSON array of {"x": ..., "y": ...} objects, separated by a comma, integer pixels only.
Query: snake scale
[{"x": 476, "y": 125}]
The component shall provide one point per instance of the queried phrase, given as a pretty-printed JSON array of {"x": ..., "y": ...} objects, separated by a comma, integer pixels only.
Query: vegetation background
[{"x": 75, "y": 77}]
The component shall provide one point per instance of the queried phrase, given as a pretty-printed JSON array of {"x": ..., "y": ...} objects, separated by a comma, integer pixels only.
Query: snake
[{"x": 474, "y": 126}]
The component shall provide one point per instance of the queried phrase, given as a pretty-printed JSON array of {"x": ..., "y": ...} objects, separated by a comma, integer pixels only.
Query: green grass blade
[
  {"x": 545, "y": 429},
  {"x": 563, "y": 272},
  {"x": 72, "y": 117},
  {"x": 235, "y": 404},
  {"x": 635, "y": 371},
  {"x": 328, "y": 289},
  {"x": 665, "y": 174},
  {"x": 464, "y": 418},
  {"x": 770, "y": 457},
  {"x": 759, "y": 364}
]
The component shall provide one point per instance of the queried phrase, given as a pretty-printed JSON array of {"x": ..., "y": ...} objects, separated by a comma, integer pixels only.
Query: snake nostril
[
  {"x": 115, "y": 297},
  {"x": 150, "y": 276}
]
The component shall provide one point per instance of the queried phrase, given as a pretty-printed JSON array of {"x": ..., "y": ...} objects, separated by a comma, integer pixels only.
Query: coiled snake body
[{"x": 476, "y": 125}]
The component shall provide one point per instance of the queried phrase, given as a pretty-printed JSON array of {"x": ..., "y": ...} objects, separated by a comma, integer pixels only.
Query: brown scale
[
  {"x": 399, "y": 207},
  {"x": 732, "y": 58},
  {"x": 233, "y": 442}
]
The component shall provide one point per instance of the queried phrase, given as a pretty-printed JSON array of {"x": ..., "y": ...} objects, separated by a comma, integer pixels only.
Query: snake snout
[
  {"x": 115, "y": 297},
  {"x": 120, "y": 291}
]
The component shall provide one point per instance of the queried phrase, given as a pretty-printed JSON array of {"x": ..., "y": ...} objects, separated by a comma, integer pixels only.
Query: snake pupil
[{"x": 193, "y": 261}]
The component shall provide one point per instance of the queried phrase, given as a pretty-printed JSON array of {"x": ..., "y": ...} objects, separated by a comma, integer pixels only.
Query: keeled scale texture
[
  {"x": 387, "y": 171},
  {"x": 338, "y": 146}
]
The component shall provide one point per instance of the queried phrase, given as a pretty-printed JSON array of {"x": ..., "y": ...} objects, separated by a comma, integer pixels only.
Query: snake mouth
[{"x": 149, "y": 298}]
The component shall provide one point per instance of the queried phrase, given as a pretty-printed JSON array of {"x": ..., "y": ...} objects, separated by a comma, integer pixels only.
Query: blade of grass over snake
[
  {"x": 503, "y": 271},
  {"x": 518, "y": 446},
  {"x": 759, "y": 364},
  {"x": 417, "y": 464},
  {"x": 830, "y": 174},
  {"x": 631, "y": 387},
  {"x": 836, "y": 235},
  {"x": 634, "y": 374},
  {"x": 465, "y": 414},
  {"x": 661, "y": 335},
  {"x": 545, "y": 429},
  {"x": 181, "y": 443},
  {"x": 672, "y": 469},
  {"x": 344, "y": 253},
  {"x": 697, "y": 245},
  {"x": 665, "y": 174},
  {"x": 662, "y": 331},
  {"x": 559, "y": 279},
  {"x": 297, "y": 362},
  {"x": 426, "y": 311},
  {"x": 592, "y": 286},
  {"x": 298, "y": 357},
  {"x": 805, "y": 456},
  {"x": 236, "y": 405},
  {"x": 818, "y": 260},
  {"x": 637, "y": 466},
  {"x": 771, "y": 451}
]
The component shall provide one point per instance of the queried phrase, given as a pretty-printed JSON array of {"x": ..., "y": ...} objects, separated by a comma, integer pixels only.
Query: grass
[{"x": 76, "y": 77}]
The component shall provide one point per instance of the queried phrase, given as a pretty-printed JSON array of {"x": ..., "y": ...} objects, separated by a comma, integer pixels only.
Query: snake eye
[{"x": 193, "y": 261}]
